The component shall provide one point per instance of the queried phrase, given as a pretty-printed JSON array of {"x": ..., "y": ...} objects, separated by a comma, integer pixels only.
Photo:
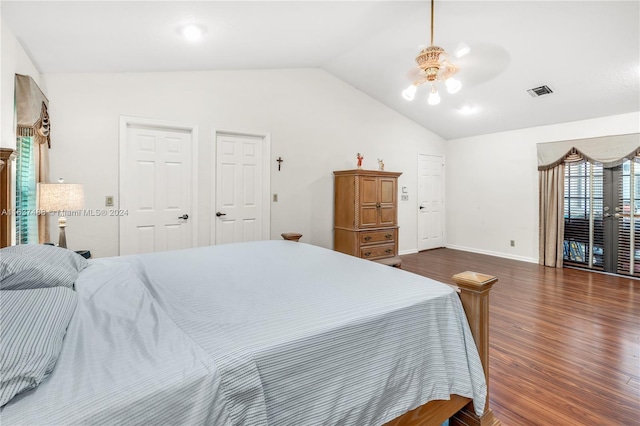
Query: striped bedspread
[{"x": 261, "y": 333}]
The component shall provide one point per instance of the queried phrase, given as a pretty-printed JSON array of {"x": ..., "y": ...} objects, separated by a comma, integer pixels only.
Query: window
[{"x": 26, "y": 219}]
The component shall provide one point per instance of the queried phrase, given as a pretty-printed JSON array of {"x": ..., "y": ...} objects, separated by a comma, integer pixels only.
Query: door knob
[
  {"x": 220, "y": 214},
  {"x": 421, "y": 207},
  {"x": 184, "y": 216}
]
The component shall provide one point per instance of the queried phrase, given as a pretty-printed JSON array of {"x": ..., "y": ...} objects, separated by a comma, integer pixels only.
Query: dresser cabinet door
[
  {"x": 387, "y": 198},
  {"x": 377, "y": 201},
  {"x": 369, "y": 202}
]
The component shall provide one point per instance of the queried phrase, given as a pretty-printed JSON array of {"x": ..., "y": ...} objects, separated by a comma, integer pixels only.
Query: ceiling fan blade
[
  {"x": 414, "y": 74},
  {"x": 482, "y": 63},
  {"x": 461, "y": 50}
]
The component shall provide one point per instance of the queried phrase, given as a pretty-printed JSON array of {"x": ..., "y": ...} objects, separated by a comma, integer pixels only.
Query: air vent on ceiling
[{"x": 540, "y": 91}]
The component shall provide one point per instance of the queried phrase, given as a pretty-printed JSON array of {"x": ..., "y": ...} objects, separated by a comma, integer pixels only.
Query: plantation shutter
[{"x": 26, "y": 218}]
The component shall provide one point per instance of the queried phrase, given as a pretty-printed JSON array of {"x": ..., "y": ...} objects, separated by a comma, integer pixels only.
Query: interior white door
[
  {"x": 430, "y": 202},
  {"x": 156, "y": 190},
  {"x": 239, "y": 188}
]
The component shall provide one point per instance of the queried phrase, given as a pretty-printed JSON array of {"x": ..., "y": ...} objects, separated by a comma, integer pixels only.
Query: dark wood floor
[{"x": 564, "y": 343}]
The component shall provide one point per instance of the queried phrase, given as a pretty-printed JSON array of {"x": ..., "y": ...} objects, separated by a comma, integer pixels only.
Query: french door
[{"x": 602, "y": 217}]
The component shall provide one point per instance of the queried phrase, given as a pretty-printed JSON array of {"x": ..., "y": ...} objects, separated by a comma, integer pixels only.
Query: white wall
[
  {"x": 13, "y": 60},
  {"x": 492, "y": 184},
  {"x": 317, "y": 124}
]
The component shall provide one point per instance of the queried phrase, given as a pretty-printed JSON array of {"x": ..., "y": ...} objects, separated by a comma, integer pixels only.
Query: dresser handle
[
  {"x": 388, "y": 251},
  {"x": 388, "y": 236},
  {"x": 367, "y": 254},
  {"x": 367, "y": 238}
]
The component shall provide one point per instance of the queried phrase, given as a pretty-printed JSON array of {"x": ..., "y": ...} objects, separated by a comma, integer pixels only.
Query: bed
[{"x": 262, "y": 333}]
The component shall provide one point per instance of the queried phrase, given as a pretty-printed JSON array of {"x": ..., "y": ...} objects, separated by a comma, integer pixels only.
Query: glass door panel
[
  {"x": 627, "y": 217},
  {"x": 602, "y": 217}
]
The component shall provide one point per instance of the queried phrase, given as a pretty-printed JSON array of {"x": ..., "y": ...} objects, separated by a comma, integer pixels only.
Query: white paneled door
[
  {"x": 155, "y": 189},
  {"x": 241, "y": 195},
  {"x": 430, "y": 202}
]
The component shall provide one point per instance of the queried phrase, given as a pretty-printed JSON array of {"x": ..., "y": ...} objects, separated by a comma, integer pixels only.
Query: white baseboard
[
  {"x": 411, "y": 251},
  {"x": 494, "y": 253}
]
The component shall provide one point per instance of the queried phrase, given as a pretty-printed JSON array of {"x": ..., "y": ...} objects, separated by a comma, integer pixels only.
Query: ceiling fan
[{"x": 433, "y": 66}]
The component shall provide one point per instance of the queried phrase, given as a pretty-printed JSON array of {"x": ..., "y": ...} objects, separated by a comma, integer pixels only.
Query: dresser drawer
[
  {"x": 377, "y": 237},
  {"x": 378, "y": 252}
]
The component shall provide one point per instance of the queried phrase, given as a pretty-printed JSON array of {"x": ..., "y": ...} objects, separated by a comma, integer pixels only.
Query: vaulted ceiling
[{"x": 588, "y": 52}]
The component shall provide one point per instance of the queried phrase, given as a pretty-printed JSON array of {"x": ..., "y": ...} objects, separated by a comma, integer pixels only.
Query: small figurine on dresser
[
  {"x": 360, "y": 158},
  {"x": 380, "y": 163}
]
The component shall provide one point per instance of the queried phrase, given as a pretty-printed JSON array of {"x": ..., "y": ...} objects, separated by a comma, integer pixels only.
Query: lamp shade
[{"x": 60, "y": 197}]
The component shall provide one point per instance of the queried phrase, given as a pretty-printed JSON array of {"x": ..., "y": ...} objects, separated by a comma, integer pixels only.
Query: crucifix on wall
[{"x": 279, "y": 160}]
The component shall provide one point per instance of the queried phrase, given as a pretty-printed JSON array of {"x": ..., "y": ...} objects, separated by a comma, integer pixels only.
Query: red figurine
[{"x": 360, "y": 158}]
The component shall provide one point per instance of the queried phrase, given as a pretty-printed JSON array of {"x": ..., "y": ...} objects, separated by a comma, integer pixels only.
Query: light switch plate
[{"x": 108, "y": 201}]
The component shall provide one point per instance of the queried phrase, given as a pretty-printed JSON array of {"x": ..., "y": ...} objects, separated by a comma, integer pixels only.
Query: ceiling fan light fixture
[
  {"x": 453, "y": 85},
  {"x": 433, "y": 63},
  {"x": 409, "y": 93},
  {"x": 434, "y": 97}
]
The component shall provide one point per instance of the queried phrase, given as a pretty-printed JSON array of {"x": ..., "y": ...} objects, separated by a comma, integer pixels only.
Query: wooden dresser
[{"x": 366, "y": 213}]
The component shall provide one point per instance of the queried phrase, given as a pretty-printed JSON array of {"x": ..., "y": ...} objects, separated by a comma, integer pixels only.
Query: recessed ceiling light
[
  {"x": 468, "y": 110},
  {"x": 192, "y": 32}
]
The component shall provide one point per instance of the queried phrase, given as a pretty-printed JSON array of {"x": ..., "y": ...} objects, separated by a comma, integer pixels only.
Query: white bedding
[{"x": 271, "y": 332}]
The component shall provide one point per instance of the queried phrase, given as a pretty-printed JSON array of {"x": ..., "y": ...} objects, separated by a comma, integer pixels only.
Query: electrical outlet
[
  {"x": 404, "y": 197},
  {"x": 275, "y": 198},
  {"x": 108, "y": 201},
  {"x": 513, "y": 243}
]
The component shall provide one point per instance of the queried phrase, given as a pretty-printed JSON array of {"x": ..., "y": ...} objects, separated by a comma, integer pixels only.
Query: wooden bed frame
[{"x": 472, "y": 287}]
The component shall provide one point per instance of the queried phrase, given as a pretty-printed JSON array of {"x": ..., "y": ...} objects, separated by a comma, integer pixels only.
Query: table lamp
[{"x": 61, "y": 198}]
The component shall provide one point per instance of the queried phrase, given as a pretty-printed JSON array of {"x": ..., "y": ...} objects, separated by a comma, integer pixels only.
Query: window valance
[
  {"x": 32, "y": 110},
  {"x": 610, "y": 151}
]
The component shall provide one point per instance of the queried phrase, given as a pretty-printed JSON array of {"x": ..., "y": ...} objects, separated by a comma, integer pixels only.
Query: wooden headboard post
[
  {"x": 6, "y": 205},
  {"x": 474, "y": 294}
]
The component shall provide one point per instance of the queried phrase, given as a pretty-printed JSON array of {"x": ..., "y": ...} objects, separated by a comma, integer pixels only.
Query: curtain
[
  {"x": 33, "y": 120},
  {"x": 42, "y": 175},
  {"x": 551, "y": 229},
  {"x": 610, "y": 151}
]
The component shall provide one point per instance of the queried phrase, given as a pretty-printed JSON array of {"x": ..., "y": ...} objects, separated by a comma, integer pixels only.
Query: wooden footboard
[{"x": 474, "y": 293}]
